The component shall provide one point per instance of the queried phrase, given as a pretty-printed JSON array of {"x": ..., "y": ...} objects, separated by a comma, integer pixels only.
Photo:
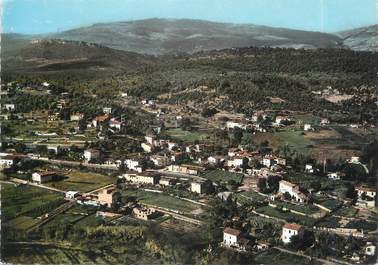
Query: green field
[
  {"x": 274, "y": 256},
  {"x": 295, "y": 140},
  {"x": 161, "y": 200},
  {"x": 346, "y": 211},
  {"x": 221, "y": 176},
  {"x": 306, "y": 209},
  {"x": 22, "y": 222},
  {"x": 82, "y": 181},
  {"x": 23, "y": 200},
  {"x": 329, "y": 203},
  {"x": 250, "y": 196},
  {"x": 286, "y": 215},
  {"x": 188, "y": 136}
]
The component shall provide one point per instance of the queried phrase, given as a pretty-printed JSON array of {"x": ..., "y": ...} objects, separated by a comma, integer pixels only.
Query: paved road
[
  {"x": 98, "y": 189},
  {"x": 324, "y": 261},
  {"x": 62, "y": 208},
  {"x": 20, "y": 181},
  {"x": 74, "y": 163},
  {"x": 175, "y": 174},
  {"x": 174, "y": 214}
]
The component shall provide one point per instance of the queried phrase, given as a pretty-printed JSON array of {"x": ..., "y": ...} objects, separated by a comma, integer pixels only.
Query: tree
[
  {"x": 316, "y": 185},
  {"x": 261, "y": 184},
  {"x": 350, "y": 192}
]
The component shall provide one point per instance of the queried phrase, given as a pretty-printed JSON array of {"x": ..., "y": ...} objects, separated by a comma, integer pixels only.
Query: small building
[
  {"x": 91, "y": 154},
  {"x": 324, "y": 121},
  {"x": 335, "y": 175},
  {"x": 132, "y": 164},
  {"x": 160, "y": 160},
  {"x": 43, "y": 177},
  {"x": 142, "y": 178},
  {"x": 108, "y": 197},
  {"x": 116, "y": 124},
  {"x": 233, "y": 238},
  {"x": 107, "y": 110},
  {"x": 307, "y": 127},
  {"x": 53, "y": 149},
  {"x": 76, "y": 116},
  {"x": 309, "y": 168},
  {"x": 235, "y": 162},
  {"x": 268, "y": 161},
  {"x": 197, "y": 187},
  {"x": 144, "y": 213},
  {"x": 293, "y": 190},
  {"x": 72, "y": 195},
  {"x": 281, "y": 119},
  {"x": 7, "y": 161},
  {"x": 148, "y": 148},
  {"x": 9, "y": 107},
  {"x": 185, "y": 169},
  {"x": 167, "y": 181},
  {"x": 371, "y": 192},
  {"x": 97, "y": 121},
  {"x": 370, "y": 249},
  {"x": 215, "y": 160},
  {"x": 289, "y": 230}
]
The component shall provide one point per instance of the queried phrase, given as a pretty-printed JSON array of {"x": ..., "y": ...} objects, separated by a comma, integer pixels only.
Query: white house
[
  {"x": 235, "y": 162},
  {"x": 215, "y": 160},
  {"x": 309, "y": 168},
  {"x": 268, "y": 161},
  {"x": 234, "y": 239},
  {"x": 289, "y": 230},
  {"x": 324, "y": 121},
  {"x": 231, "y": 236},
  {"x": 107, "y": 110},
  {"x": 196, "y": 187},
  {"x": 42, "y": 177},
  {"x": 132, "y": 164},
  {"x": 91, "y": 154},
  {"x": 148, "y": 148},
  {"x": 370, "y": 249},
  {"x": 307, "y": 127},
  {"x": 71, "y": 194},
  {"x": 9, "y": 107},
  {"x": 76, "y": 116},
  {"x": 367, "y": 191},
  {"x": 293, "y": 190},
  {"x": 281, "y": 119},
  {"x": 334, "y": 175},
  {"x": 141, "y": 178},
  {"x": 160, "y": 161},
  {"x": 7, "y": 161},
  {"x": 233, "y": 125},
  {"x": 354, "y": 159},
  {"x": 114, "y": 123}
]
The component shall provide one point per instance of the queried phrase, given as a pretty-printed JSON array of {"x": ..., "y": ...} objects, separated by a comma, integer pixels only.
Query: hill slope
[
  {"x": 361, "y": 39},
  {"x": 162, "y": 36},
  {"x": 23, "y": 54}
]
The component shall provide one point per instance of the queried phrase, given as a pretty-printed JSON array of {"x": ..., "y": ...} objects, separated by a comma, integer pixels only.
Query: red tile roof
[
  {"x": 232, "y": 231},
  {"x": 292, "y": 226}
]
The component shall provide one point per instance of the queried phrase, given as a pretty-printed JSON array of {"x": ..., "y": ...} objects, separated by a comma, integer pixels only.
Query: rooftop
[
  {"x": 232, "y": 231},
  {"x": 292, "y": 226}
]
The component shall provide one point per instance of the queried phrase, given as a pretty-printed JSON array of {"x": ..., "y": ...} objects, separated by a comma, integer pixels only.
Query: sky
[{"x": 47, "y": 16}]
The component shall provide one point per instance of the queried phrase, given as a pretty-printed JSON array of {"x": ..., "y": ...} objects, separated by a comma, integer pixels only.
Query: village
[{"x": 172, "y": 168}]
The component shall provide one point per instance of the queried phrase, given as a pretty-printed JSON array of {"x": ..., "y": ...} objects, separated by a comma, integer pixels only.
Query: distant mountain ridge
[
  {"x": 167, "y": 36},
  {"x": 127, "y": 46},
  {"x": 361, "y": 39}
]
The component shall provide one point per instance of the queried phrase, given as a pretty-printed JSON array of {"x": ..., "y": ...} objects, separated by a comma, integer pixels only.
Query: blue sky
[{"x": 43, "y": 16}]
